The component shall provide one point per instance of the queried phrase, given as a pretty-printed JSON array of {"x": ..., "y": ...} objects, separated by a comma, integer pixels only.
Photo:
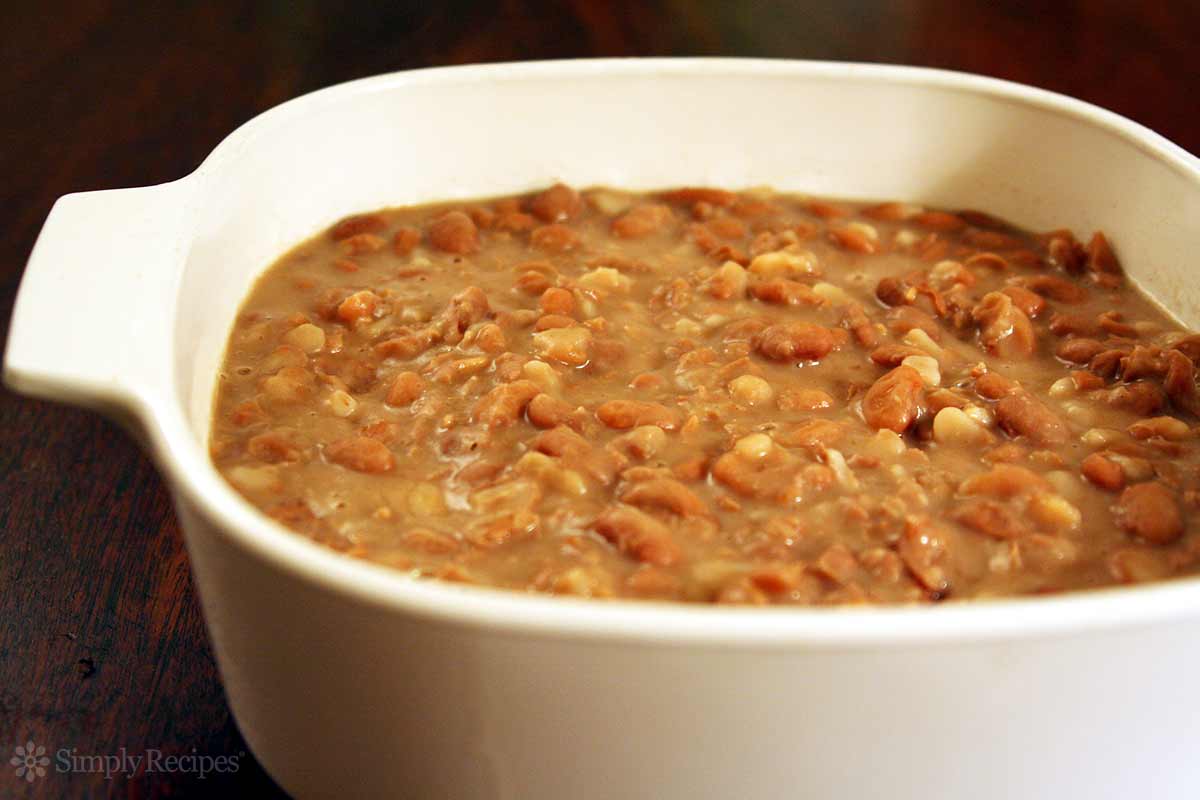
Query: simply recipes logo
[{"x": 32, "y": 762}]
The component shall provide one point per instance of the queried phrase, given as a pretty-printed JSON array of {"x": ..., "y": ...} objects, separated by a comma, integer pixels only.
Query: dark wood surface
[{"x": 101, "y": 642}]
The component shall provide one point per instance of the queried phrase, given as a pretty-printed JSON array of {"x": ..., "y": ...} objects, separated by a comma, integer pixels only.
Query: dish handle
[{"x": 93, "y": 319}]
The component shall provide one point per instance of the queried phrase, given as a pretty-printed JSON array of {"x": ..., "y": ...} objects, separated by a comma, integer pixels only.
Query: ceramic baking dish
[{"x": 349, "y": 679}]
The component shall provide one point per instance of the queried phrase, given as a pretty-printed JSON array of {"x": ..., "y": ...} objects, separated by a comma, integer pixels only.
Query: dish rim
[{"x": 193, "y": 476}]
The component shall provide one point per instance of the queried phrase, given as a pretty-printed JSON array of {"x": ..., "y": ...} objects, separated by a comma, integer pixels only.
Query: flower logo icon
[{"x": 30, "y": 760}]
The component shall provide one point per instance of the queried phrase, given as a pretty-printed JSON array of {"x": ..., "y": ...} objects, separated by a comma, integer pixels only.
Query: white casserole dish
[{"x": 350, "y": 679}]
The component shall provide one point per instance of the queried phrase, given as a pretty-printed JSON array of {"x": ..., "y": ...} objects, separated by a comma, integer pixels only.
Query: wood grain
[{"x": 101, "y": 641}]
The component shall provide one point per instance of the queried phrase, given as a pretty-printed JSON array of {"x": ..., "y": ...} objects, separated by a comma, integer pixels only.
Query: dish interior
[
  {"x": 705, "y": 396},
  {"x": 404, "y": 139}
]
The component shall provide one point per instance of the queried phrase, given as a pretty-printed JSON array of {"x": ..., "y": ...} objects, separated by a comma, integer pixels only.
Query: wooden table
[{"x": 101, "y": 642}]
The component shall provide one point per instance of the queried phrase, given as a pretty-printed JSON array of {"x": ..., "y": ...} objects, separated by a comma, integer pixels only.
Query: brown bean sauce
[{"x": 700, "y": 395}]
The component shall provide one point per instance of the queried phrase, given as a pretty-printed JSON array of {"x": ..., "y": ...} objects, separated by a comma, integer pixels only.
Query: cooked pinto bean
[
  {"x": 639, "y": 535},
  {"x": 454, "y": 232},
  {"x": 406, "y": 388},
  {"x": 1004, "y": 329},
  {"x": 1151, "y": 512},
  {"x": 353, "y": 226},
  {"x": 756, "y": 468},
  {"x": 1143, "y": 362},
  {"x": 1168, "y": 428},
  {"x": 1103, "y": 472},
  {"x": 641, "y": 221},
  {"x": 1079, "y": 351},
  {"x": 1062, "y": 324},
  {"x": 857, "y": 321},
  {"x": 728, "y": 281},
  {"x": 626, "y": 414},
  {"x": 904, "y": 319},
  {"x": 545, "y": 411},
  {"x": 1107, "y": 363},
  {"x": 290, "y": 385},
  {"x": 750, "y": 390},
  {"x": 548, "y": 321},
  {"x": 490, "y": 338},
  {"x": 1189, "y": 346},
  {"x": 1140, "y": 397},
  {"x": 1021, "y": 414},
  {"x": 1056, "y": 288},
  {"x": 557, "y": 301},
  {"x": 804, "y": 400},
  {"x": 273, "y": 447},
  {"x": 515, "y": 221},
  {"x": 1111, "y": 322},
  {"x": 556, "y": 204},
  {"x": 570, "y": 345},
  {"x": 691, "y": 195},
  {"x": 727, "y": 227},
  {"x": 993, "y": 386},
  {"x": 667, "y": 494},
  {"x": 815, "y": 433},
  {"x": 927, "y": 549},
  {"x": 357, "y": 306},
  {"x": 1100, "y": 257},
  {"x": 991, "y": 518},
  {"x": 890, "y": 355},
  {"x": 794, "y": 341},
  {"x": 855, "y": 238},
  {"x": 1086, "y": 381},
  {"x": 247, "y": 413},
  {"x": 362, "y": 243},
  {"x": 405, "y": 240},
  {"x": 1028, "y": 303},
  {"x": 893, "y": 291},
  {"x": 361, "y": 454},
  {"x": 554, "y": 238},
  {"x": 1004, "y": 480},
  {"x": 939, "y": 221},
  {"x": 532, "y": 282},
  {"x": 408, "y": 345},
  {"x": 465, "y": 309},
  {"x": 1180, "y": 382},
  {"x": 562, "y": 443},
  {"x": 894, "y": 401},
  {"x": 505, "y": 404},
  {"x": 953, "y": 427},
  {"x": 781, "y": 291},
  {"x": 1065, "y": 251}
]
